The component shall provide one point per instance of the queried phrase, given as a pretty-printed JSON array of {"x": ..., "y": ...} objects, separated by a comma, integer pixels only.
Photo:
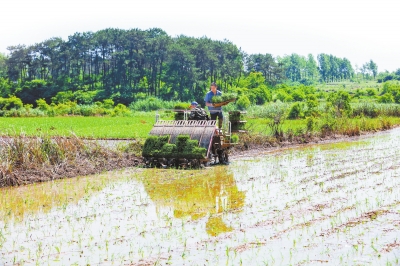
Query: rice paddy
[{"x": 334, "y": 204}]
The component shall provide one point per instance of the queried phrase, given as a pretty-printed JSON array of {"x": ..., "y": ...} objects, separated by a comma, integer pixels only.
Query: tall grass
[
  {"x": 154, "y": 104},
  {"x": 26, "y": 160},
  {"x": 373, "y": 110}
]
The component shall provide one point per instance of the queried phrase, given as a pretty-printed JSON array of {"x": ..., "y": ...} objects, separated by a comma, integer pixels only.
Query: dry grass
[{"x": 27, "y": 160}]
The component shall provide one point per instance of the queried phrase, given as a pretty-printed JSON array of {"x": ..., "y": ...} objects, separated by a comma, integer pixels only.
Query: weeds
[{"x": 27, "y": 160}]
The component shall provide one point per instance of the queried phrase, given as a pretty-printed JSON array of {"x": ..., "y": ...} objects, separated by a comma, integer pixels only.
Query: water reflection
[
  {"x": 18, "y": 202},
  {"x": 208, "y": 194}
]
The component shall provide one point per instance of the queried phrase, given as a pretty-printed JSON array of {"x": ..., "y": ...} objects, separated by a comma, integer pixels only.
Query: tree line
[{"x": 129, "y": 65}]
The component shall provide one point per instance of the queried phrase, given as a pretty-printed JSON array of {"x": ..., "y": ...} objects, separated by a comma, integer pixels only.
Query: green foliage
[
  {"x": 121, "y": 110},
  {"x": 153, "y": 145},
  {"x": 390, "y": 92},
  {"x": 179, "y": 110},
  {"x": 137, "y": 126},
  {"x": 79, "y": 96},
  {"x": 10, "y": 103},
  {"x": 35, "y": 89},
  {"x": 235, "y": 138},
  {"x": 243, "y": 102},
  {"x": 183, "y": 148},
  {"x": 282, "y": 96},
  {"x": 312, "y": 105},
  {"x": 310, "y": 122},
  {"x": 153, "y": 104},
  {"x": 386, "y": 98},
  {"x": 42, "y": 105},
  {"x": 253, "y": 80},
  {"x": 262, "y": 94},
  {"x": 340, "y": 101},
  {"x": 236, "y": 116},
  {"x": 224, "y": 97},
  {"x": 6, "y": 87},
  {"x": 108, "y": 103},
  {"x": 296, "y": 111},
  {"x": 276, "y": 115},
  {"x": 371, "y": 92},
  {"x": 298, "y": 95}
]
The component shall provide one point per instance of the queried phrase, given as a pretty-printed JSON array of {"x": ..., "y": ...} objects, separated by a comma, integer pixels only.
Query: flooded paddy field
[{"x": 332, "y": 204}]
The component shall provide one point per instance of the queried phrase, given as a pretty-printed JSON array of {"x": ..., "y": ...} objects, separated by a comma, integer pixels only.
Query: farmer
[
  {"x": 197, "y": 113},
  {"x": 214, "y": 111}
]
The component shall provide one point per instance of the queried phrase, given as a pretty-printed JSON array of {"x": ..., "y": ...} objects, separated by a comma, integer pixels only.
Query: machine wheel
[
  {"x": 194, "y": 163},
  {"x": 223, "y": 157}
]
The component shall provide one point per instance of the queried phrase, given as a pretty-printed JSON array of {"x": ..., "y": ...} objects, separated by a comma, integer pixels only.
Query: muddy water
[{"x": 333, "y": 203}]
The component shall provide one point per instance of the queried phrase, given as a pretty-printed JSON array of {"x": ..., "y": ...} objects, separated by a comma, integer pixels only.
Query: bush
[
  {"x": 10, "y": 103},
  {"x": 283, "y": 96},
  {"x": 386, "y": 98},
  {"x": 243, "y": 102},
  {"x": 371, "y": 92},
  {"x": 121, "y": 110},
  {"x": 262, "y": 94},
  {"x": 108, "y": 103},
  {"x": 42, "y": 105},
  {"x": 340, "y": 102},
  {"x": 298, "y": 95},
  {"x": 296, "y": 111},
  {"x": 310, "y": 124}
]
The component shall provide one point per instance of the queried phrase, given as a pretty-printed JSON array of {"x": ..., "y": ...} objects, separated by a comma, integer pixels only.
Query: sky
[{"x": 359, "y": 30}]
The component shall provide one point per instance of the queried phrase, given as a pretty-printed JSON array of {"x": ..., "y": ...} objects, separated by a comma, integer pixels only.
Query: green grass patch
[
  {"x": 342, "y": 126},
  {"x": 138, "y": 126}
]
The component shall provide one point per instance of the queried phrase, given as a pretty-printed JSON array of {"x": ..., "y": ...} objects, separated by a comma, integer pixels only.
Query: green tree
[
  {"x": 3, "y": 65},
  {"x": 340, "y": 102},
  {"x": 373, "y": 68}
]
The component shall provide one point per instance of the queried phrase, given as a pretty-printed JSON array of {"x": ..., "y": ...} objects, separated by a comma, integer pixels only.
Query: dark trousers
[{"x": 215, "y": 114}]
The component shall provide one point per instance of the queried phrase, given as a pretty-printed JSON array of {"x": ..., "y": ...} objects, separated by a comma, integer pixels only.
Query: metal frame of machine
[{"x": 205, "y": 132}]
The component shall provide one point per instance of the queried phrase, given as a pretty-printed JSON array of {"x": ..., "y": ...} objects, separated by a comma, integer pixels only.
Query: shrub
[
  {"x": 296, "y": 111},
  {"x": 262, "y": 94},
  {"x": 243, "y": 102},
  {"x": 310, "y": 124},
  {"x": 108, "y": 103},
  {"x": 121, "y": 110},
  {"x": 298, "y": 95},
  {"x": 340, "y": 101},
  {"x": 386, "y": 98},
  {"x": 371, "y": 92},
  {"x": 42, "y": 105},
  {"x": 12, "y": 102},
  {"x": 283, "y": 96}
]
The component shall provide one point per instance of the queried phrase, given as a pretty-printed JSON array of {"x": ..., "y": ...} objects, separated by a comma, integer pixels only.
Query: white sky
[{"x": 359, "y": 30}]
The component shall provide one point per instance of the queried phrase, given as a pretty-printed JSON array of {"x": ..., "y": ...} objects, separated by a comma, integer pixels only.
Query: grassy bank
[
  {"x": 28, "y": 160},
  {"x": 85, "y": 127}
]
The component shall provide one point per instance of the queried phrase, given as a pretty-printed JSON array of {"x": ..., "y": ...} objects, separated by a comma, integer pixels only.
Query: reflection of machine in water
[{"x": 197, "y": 195}]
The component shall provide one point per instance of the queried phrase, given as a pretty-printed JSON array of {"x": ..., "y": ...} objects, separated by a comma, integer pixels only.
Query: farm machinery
[{"x": 186, "y": 143}]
